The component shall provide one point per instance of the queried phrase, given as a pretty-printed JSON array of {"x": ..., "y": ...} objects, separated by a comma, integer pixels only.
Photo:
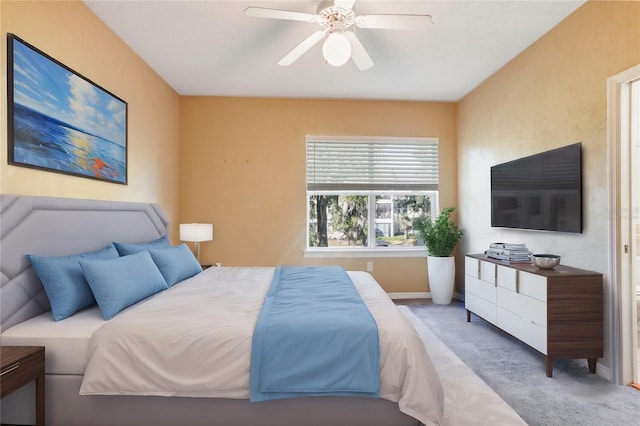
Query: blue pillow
[
  {"x": 119, "y": 283},
  {"x": 126, "y": 248},
  {"x": 64, "y": 281},
  {"x": 176, "y": 263}
]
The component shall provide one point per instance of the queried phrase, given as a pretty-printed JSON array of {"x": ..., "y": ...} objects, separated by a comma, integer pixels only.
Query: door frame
[{"x": 623, "y": 292}]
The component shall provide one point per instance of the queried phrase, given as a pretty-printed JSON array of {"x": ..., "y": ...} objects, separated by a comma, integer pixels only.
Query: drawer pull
[{"x": 10, "y": 368}]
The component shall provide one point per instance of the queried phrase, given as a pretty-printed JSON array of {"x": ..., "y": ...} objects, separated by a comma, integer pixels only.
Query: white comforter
[{"x": 194, "y": 340}]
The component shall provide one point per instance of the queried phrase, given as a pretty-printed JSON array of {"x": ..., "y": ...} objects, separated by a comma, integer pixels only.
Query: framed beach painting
[{"x": 60, "y": 121}]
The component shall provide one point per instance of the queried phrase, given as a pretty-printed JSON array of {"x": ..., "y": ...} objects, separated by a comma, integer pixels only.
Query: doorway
[
  {"x": 634, "y": 195},
  {"x": 623, "y": 122}
]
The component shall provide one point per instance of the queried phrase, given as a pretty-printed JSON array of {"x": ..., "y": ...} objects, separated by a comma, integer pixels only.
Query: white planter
[{"x": 441, "y": 272}]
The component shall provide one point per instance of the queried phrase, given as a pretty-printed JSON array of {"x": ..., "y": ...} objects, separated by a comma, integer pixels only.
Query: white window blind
[{"x": 372, "y": 164}]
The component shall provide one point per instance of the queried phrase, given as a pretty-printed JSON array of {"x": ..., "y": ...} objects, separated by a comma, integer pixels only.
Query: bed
[{"x": 409, "y": 388}]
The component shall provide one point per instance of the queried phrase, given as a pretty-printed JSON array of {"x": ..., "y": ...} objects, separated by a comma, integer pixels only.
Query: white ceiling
[{"x": 210, "y": 48}]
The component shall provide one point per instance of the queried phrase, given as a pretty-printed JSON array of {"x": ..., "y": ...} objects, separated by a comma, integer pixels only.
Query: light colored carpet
[
  {"x": 573, "y": 397},
  {"x": 468, "y": 400}
]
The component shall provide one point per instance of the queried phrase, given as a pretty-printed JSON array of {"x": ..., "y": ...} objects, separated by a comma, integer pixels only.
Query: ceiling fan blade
[
  {"x": 395, "y": 22},
  {"x": 261, "y": 12},
  {"x": 358, "y": 53},
  {"x": 344, "y": 4},
  {"x": 300, "y": 49}
]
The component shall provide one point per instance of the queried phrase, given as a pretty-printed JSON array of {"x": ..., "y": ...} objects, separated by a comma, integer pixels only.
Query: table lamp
[{"x": 196, "y": 233}]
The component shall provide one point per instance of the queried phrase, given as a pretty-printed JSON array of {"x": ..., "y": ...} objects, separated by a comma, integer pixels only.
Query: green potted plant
[{"x": 440, "y": 238}]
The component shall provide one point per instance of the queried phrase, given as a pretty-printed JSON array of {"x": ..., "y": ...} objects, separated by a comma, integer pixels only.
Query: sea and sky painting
[{"x": 63, "y": 122}]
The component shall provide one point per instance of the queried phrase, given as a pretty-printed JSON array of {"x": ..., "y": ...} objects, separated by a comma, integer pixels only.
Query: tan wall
[
  {"x": 72, "y": 34},
  {"x": 243, "y": 169},
  {"x": 551, "y": 95}
]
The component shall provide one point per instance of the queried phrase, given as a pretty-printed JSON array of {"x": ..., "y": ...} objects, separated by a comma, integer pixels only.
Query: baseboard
[
  {"x": 420, "y": 295},
  {"x": 410, "y": 295}
]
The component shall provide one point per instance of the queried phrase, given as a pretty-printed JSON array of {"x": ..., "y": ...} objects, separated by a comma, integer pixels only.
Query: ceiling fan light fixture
[
  {"x": 335, "y": 17},
  {"x": 336, "y": 49}
]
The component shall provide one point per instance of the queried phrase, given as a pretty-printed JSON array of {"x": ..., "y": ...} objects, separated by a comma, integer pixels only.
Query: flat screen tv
[{"x": 541, "y": 192}]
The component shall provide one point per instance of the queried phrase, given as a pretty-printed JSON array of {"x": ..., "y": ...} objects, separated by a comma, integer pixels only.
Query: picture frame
[{"x": 60, "y": 121}]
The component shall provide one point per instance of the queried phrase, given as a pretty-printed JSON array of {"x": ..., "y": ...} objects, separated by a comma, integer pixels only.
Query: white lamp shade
[
  {"x": 336, "y": 49},
  {"x": 196, "y": 232}
]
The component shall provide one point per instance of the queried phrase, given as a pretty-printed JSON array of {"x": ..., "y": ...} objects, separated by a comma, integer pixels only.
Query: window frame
[{"x": 371, "y": 250}]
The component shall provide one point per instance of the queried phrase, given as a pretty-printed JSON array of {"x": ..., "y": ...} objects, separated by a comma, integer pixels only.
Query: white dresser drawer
[
  {"x": 481, "y": 289},
  {"x": 532, "y": 285},
  {"x": 488, "y": 272},
  {"x": 480, "y": 307},
  {"x": 530, "y": 309},
  {"x": 472, "y": 267},
  {"x": 532, "y": 334},
  {"x": 507, "y": 278}
]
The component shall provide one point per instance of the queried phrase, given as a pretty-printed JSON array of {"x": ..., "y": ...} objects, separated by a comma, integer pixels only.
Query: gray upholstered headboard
[{"x": 50, "y": 226}]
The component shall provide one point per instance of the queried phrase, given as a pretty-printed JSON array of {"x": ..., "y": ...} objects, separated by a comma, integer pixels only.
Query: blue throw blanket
[{"x": 314, "y": 337}]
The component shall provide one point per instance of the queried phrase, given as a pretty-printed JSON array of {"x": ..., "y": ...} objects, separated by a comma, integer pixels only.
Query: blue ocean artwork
[{"x": 64, "y": 122}]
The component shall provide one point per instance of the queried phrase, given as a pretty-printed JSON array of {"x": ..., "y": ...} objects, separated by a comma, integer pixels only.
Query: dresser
[{"x": 558, "y": 312}]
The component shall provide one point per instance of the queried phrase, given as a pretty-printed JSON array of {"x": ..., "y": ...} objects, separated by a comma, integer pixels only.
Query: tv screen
[{"x": 542, "y": 191}]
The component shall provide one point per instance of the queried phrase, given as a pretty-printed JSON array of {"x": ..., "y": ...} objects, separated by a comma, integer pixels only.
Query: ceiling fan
[{"x": 338, "y": 21}]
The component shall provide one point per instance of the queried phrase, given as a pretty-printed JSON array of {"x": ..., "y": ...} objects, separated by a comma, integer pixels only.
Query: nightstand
[{"x": 18, "y": 366}]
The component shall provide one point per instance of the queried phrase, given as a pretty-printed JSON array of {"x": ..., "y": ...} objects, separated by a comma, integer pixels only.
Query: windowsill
[{"x": 365, "y": 252}]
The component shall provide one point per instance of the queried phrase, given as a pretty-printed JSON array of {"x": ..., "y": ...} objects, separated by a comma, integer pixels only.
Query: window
[{"x": 357, "y": 184}]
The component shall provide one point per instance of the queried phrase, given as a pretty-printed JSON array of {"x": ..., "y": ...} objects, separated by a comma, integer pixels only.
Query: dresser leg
[
  {"x": 40, "y": 400},
  {"x": 592, "y": 365},
  {"x": 548, "y": 364},
  {"x": 468, "y": 315}
]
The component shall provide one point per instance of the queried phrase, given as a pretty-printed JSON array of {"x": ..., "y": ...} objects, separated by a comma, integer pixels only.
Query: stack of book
[{"x": 508, "y": 252}]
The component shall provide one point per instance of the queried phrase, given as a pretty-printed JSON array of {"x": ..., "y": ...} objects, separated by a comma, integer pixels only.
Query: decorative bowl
[{"x": 545, "y": 261}]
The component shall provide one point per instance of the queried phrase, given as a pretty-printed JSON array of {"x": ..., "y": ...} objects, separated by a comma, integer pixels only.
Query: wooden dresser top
[{"x": 560, "y": 270}]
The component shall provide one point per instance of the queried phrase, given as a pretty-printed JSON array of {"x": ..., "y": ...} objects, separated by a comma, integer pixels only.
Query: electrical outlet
[{"x": 369, "y": 266}]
